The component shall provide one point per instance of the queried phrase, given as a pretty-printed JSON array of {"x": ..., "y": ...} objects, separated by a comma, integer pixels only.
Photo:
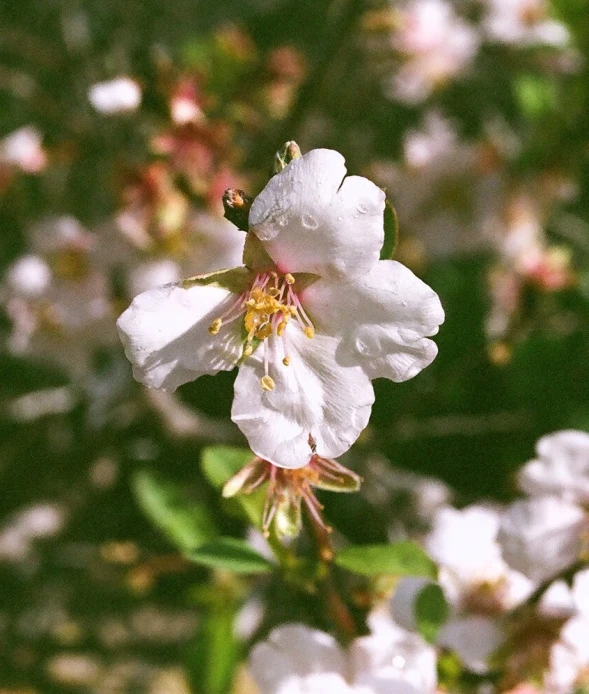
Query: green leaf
[
  {"x": 215, "y": 652},
  {"x": 219, "y": 463},
  {"x": 431, "y": 611},
  {"x": 185, "y": 523},
  {"x": 391, "y": 232},
  {"x": 401, "y": 558},
  {"x": 536, "y": 95},
  {"x": 230, "y": 554}
]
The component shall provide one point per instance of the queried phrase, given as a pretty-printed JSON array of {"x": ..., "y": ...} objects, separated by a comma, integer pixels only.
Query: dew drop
[
  {"x": 309, "y": 222},
  {"x": 404, "y": 303},
  {"x": 368, "y": 344},
  {"x": 362, "y": 209},
  {"x": 281, "y": 221}
]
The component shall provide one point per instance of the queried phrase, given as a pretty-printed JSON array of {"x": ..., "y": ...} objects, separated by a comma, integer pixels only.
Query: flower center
[{"x": 267, "y": 307}]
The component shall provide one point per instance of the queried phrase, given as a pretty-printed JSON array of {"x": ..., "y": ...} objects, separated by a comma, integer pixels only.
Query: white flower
[
  {"x": 437, "y": 45},
  {"x": 561, "y": 468},
  {"x": 23, "y": 149},
  {"x": 58, "y": 303},
  {"x": 321, "y": 316},
  {"x": 444, "y": 197},
  {"x": 473, "y": 638},
  {"x": 541, "y": 536},
  {"x": 523, "y": 23},
  {"x": 296, "y": 659},
  {"x": 472, "y": 570},
  {"x": 120, "y": 95}
]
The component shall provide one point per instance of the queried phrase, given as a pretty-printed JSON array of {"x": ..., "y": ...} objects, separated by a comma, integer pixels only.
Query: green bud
[{"x": 285, "y": 155}]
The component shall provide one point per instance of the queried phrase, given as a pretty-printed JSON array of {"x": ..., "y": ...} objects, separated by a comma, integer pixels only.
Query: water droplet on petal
[
  {"x": 309, "y": 222},
  {"x": 362, "y": 209},
  {"x": 404, "y": 303},
  {"x": 281, "y": 221},
  {"x": 368, "y": 343}
]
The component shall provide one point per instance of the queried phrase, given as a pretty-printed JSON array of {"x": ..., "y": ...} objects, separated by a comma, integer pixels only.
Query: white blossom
[
  {"x": 445, "y": 198},
  {"x": 561, "y": 468},
  {"x": 296, "y": 659},
  {"x": 472, "y": 571},
  {"x": 322, "y": 316},
  {"x": 523, "y": 23},
  {"x": 119, "y": 95},
  {"x": 436, "y": 45},
  {"x": 23, "y": 149},
  {"x": 540, "y": 537}
]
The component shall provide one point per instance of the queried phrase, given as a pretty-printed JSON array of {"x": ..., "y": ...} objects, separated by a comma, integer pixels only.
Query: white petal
[
  {"x": 314, "y": 396},
  {"x": 402, "y": 603},
  {"x": 397, "y": 657},
  {"x": 473, "y": 639},
  {"x": 292, "y": 652},
  {"x": 541, "y": 536},
  {"x": 562, "y": 467},
  {"x": 382, "y": 318},
  {"x": 557, "y": 601},
  {"x": 311, "y": 221},
  {"x": 165, "y": 334}
]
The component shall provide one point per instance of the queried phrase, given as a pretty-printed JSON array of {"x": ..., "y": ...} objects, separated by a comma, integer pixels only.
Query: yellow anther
[
  {"x": 292, "y": 310},
  {"x": 250, "y": 302},
  {"x": 264, "y": 331},
  {"x": 289, "y": 279},
  {"x": 267, "y": 382},
  {"x": 281, "y": 327},
  {"x": 248, "y": 350},
  {"x": 310, "y": 331},
  {"x": 286, "y": 361},
  {"x": 215, "y": 326}
]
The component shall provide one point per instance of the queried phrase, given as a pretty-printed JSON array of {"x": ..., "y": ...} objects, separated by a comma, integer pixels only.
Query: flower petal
[
  {"x": 291, "y": 653},
  {"x": 166, "y": 338},
  {"x": 310, "y": 221},
  {"x": 313, "y": 396},
  {"x": 382, "y": 319}
]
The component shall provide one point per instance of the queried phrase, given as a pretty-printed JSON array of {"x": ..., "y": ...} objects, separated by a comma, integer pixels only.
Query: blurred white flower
[
  {"x": 28, "y": 276},
  {"x": 540, "y": 537},
  {"x": 23, "y": 149},
  {"x": 474, "y": 639},
  {"x": 561, "y": 468},
  {"x": 304, "y": 384},
  {"x": 472, "y": 571},
  {"x": 436, "y": 46},
  {"x": 59, "y": 304},
  {"x": 296, "y": 659},
  {"x": 29, "y": 524},
  {"x": 119, "y": 95},
  {"x": 523, "y": 23},
  {"x": 447, "y": 193}
]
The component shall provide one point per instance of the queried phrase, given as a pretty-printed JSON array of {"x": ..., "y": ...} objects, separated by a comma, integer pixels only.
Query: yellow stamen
[
  {"x": 215, "y": 326},
  {"x": 248, "y": 350},
  {"x": 267, "y": 382},
  {"x": 310, "y": 332},
  {"x": 289, "y": 279},
  {"x": 286, "y": 361},
  {"x": 281, "y": 327}
]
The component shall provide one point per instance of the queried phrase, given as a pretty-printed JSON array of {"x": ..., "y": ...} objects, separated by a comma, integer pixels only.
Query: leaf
[
  {"x": 185, "y": 523},
  {"x": 431, "y": 611},
  {"x": 391, "y": 232},
  {"x": 401, "y": 558},
  {"x": 215, "y": 652},
  {"x": 219, "y": 463},
  {"x": 230, "y": 554}
]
